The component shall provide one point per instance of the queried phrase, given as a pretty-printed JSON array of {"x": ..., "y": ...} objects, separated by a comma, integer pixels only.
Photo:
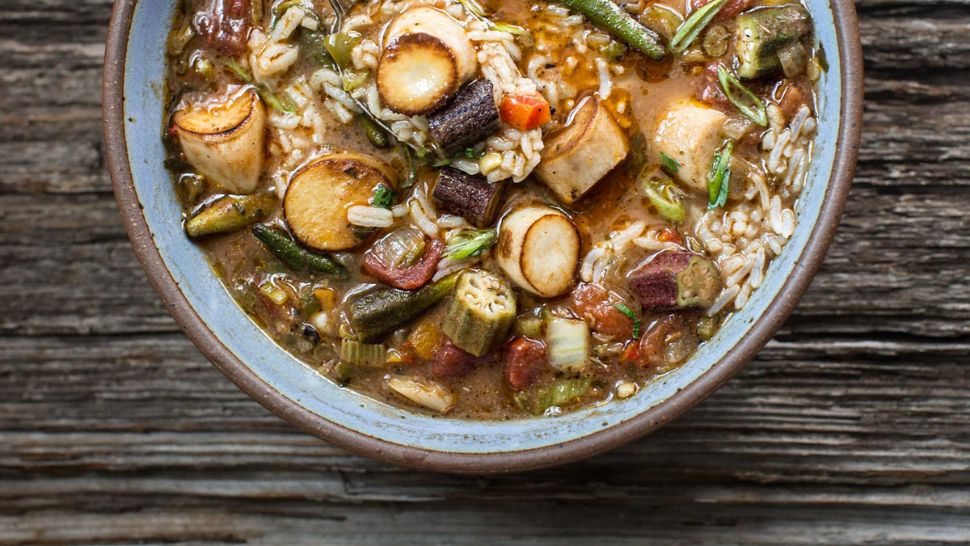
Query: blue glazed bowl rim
[{"x": 756, "y": 335}]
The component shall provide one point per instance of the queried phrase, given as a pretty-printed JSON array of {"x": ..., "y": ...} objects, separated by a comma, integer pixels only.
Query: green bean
[
  {"x": 611, "y": 18},
  {"x": 294, "y": 255},
  {"x": 230, "y": 213}
]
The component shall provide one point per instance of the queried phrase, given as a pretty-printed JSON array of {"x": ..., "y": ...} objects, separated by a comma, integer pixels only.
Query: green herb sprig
[
  {"x": 742, "y": 98},
  {"x": 469, "y": 243},
  {"x": 382, "y": 197},
  {"x": 719, "y": 178}
]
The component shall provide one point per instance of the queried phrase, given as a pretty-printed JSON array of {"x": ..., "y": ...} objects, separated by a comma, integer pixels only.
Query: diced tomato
[
  {"x": 651, "y": 346},
  {"x": 793, "y": 97},
  {"x": 409, "y": 278},
  {"x": 709, "y": 89},
  {"x": 524, "y": 360},
  {"x": 450, "y": 361},
  {"x": 730, "y": 9},
  {"x": 669, "y": 235},
  {"x": 599, "y": 309},
  {"x": 525, "y": 112}
]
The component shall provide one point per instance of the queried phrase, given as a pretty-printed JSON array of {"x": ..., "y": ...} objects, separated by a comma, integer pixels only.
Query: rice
[
  {"x": 606, "y": 83},
  {"x": 422, "y": 213},
  {"x": 368, "y": 216},
  {"x": 497, "y": 56},
  {"x": 744, "y": 238},
  {"x": 607, "y": 254}
]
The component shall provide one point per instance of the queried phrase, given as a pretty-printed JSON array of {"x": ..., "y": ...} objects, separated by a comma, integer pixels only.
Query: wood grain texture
[{"x": 851, "y": 427}]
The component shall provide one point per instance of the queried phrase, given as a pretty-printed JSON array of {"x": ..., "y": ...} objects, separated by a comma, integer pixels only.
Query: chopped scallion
[
  {"x": 411, "y": 178},
  {"x": 623, "y": 308},
  {"x": 748, "y": 103},
  {"x": 691, "y": 28},
  {"x": 719, "y": 178},
  {"x": 511, "y": 29},
  {"x": 473, "y": 7},
  {"x": 469, "y": 243},
  {"x": 669, "y": 163},
  {"x": 271, "y": 99},
  {"x": 666, "y": 197}
]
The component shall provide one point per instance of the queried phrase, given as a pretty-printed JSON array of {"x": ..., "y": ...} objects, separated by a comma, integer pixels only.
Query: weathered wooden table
[{"x": 852, "y": 427}]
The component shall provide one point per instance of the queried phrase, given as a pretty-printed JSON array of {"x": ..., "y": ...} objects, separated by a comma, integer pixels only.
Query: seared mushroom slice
[
  {"x": 538, "y": 249},
  {"x": 427, "y": 58},
  {"x": 224, "y": 141}
]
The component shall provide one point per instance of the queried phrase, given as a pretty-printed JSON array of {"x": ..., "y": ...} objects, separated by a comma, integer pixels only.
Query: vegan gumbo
[{"x": 491, "y": 210}]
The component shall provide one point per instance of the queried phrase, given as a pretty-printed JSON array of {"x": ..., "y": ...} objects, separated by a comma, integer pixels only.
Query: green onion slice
[
  {"x": 669, "y": 163},
  {"x": 473, "y": 7},
  {"x": 666, "y": 197},
  {"x": 719, "y": 178},
  {"x": 271, "y": 99},
  {"x": 742, "y": 98},
  {"x": 623, "y": 308},
  {"x": 469, "y": 243},
  {"x": 691, "y": 28}
]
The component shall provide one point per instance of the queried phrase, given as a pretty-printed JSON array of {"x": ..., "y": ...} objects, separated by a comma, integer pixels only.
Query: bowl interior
[{"x": 312, "y": 394}]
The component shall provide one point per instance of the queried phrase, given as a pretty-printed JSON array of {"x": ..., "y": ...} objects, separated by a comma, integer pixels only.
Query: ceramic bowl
[{"x": 133, "y": 110}]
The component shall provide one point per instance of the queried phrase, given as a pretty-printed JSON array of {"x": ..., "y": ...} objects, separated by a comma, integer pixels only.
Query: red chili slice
[
  {"x": 408, "y": 278},
  {"x": 709, "y": 89}
]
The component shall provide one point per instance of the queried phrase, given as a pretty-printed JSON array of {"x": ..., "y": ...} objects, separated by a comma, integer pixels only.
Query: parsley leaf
[{"x": 383, "y": 197}]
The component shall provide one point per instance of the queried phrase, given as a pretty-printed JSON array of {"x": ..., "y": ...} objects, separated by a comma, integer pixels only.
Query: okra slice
[
  {"x": 480, "y": 313},
  {"x": 230, "y": 213},
  {"x": 762, "y": 32},
  {"x": 676, "y": 281}
]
